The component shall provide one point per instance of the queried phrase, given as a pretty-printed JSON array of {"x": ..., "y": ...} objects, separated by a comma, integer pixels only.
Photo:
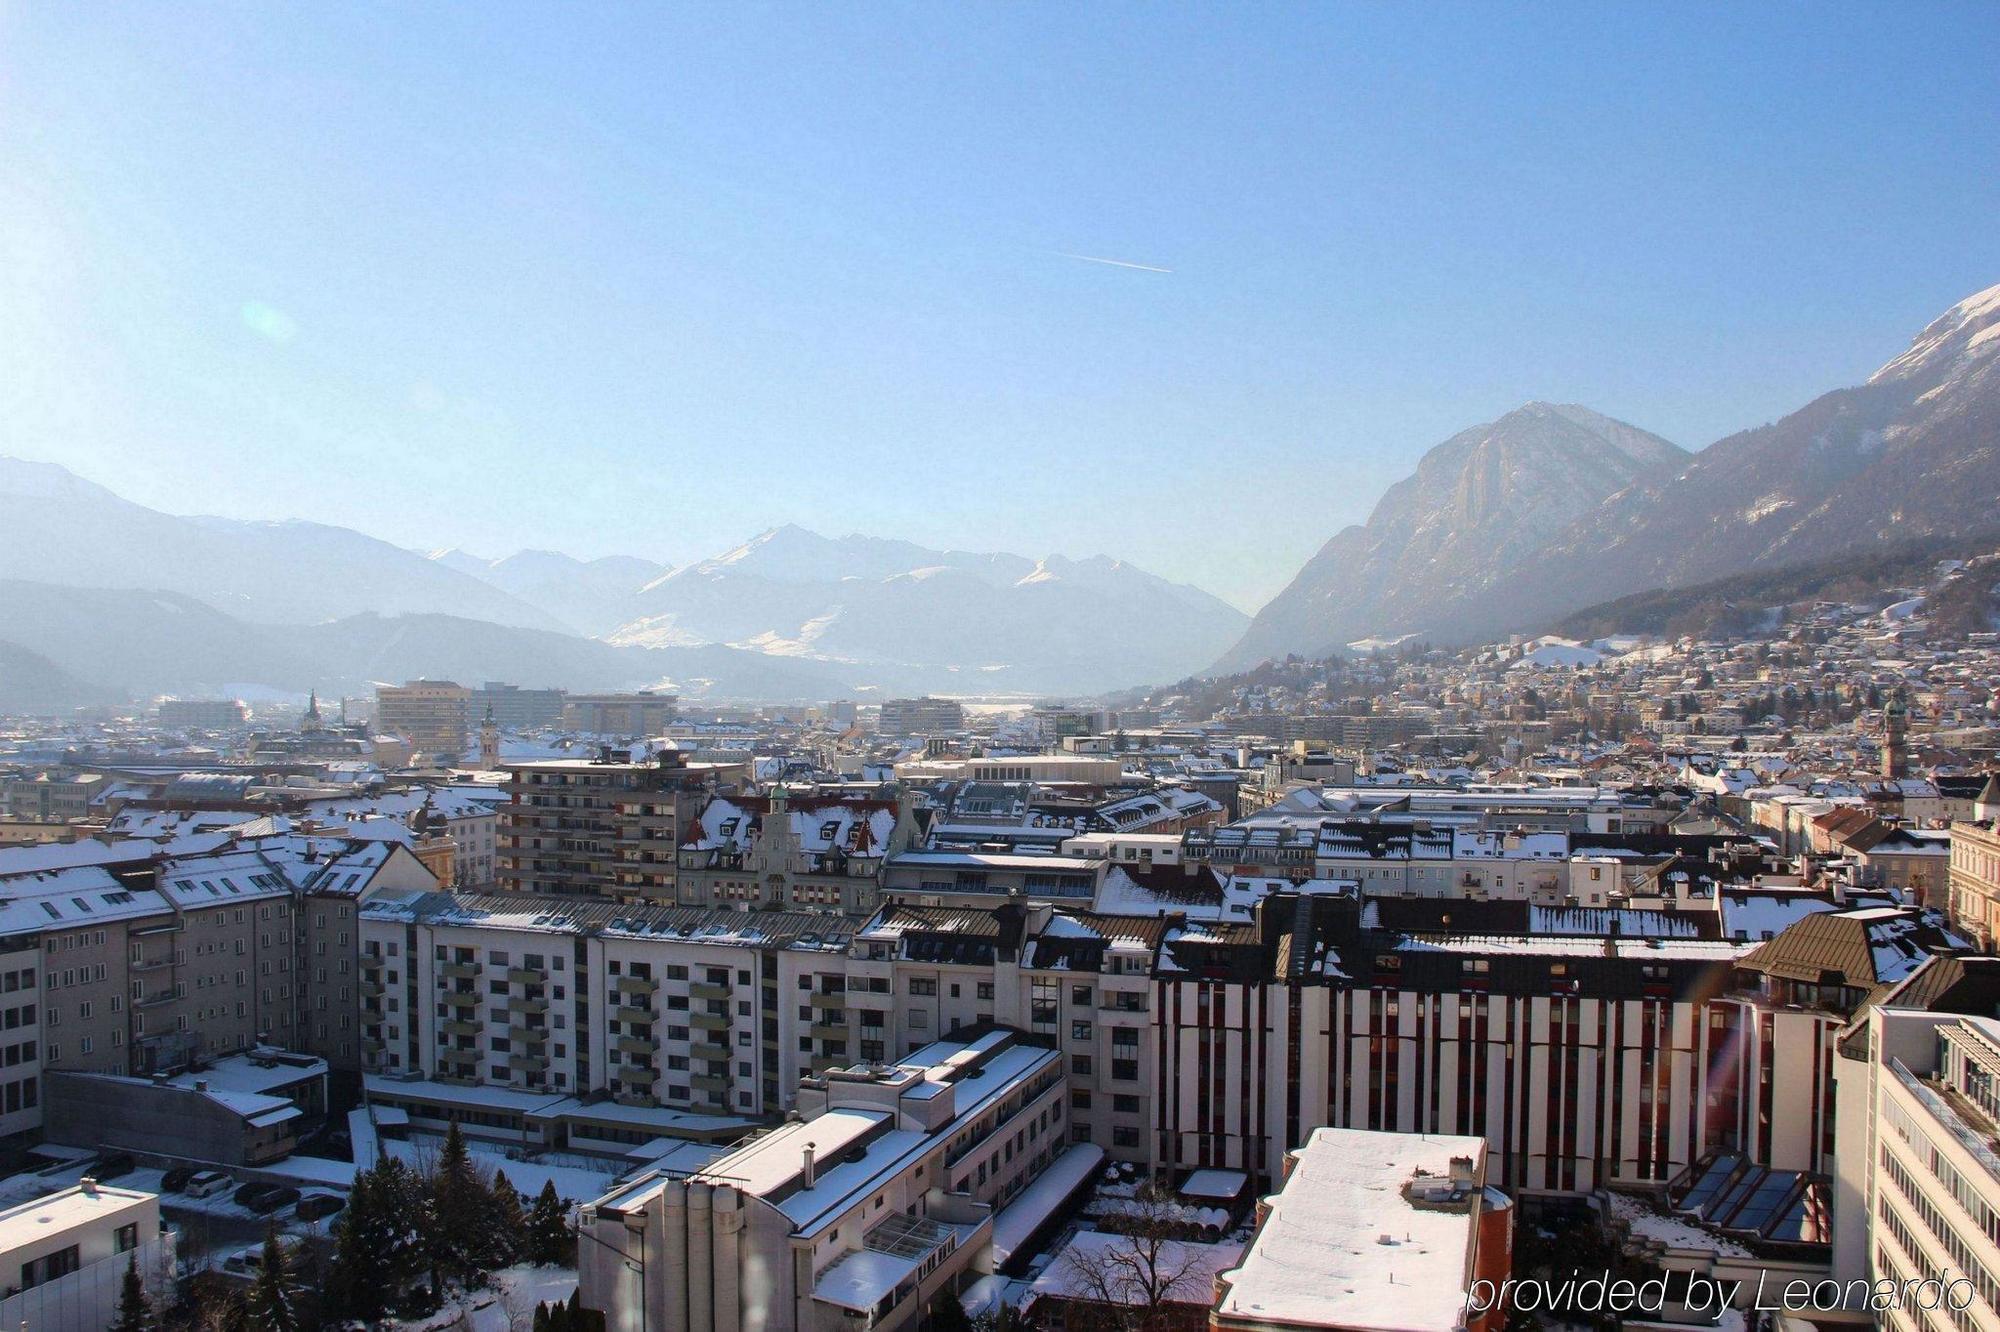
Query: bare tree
[{"x": 1139, "y": 1267}]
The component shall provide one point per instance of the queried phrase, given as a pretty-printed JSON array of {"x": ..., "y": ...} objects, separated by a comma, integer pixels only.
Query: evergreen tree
[
  {"x": 948, "y": 1315},
  {"x": 378, "y": 1244},
  {"x": 549, "y": 1240},
  {"x": 508, "y": 1223},
  {"x": 273, "y": 1300},
  {"x": 133, "y": 1313},
  {"x": 462, "y": 1211}
]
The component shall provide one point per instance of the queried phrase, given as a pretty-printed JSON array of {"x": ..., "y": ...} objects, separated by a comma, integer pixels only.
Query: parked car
[
  {"x": 207, "y": 1183},
  {"x": 273, "y": 1197},
  {"x": 110, "y": 1167},
  {"x": 176, "y": 1180},
  {"x": 314, "y": 1206},
  {"x": 249, "y": 1191}
]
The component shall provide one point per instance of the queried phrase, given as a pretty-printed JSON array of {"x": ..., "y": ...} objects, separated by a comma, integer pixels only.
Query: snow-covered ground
[
  {"x": 572, "y": 1180},
  {"x": 509, "y": 1303}
]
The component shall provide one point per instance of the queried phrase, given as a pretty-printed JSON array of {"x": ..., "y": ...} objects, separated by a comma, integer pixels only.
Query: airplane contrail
[{"x": 1115, "y": 263}]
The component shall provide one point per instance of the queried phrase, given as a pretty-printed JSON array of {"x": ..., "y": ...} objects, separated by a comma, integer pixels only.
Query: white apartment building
[
  {"x": 1919, "y": 1182},
  {"x": 875, "y": 1200}
]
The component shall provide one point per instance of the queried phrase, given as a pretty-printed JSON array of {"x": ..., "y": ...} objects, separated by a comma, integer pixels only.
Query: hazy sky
[{"x": 631, "y": 280}]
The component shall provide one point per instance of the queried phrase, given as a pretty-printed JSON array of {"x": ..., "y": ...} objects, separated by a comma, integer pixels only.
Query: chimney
[
  {"x": 806, "y": 1173},
  {"x": 1461, "y": 1171},
  {"x": 201, "y": 1084},
  {"x": 89, "y": 1186}
]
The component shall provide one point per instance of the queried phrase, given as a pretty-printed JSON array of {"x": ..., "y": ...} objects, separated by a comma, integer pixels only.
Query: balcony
[
  {"x": 836, "y": 1002},
  {"x": 459, "y": 970},
  {"x": 459, "y": 1027},
  {"x": 635, "y": 985},
  {"x": 632, "y": 1076},
  {"x": 636, "y": 1045},
  {"x": 642, "y": 1017},
  {"x": 535, "y": 1036},
  {"x": 527, "y": 1003},
  {"x": 371, "y": 988},
  {"x": 712, "y": 1021},
  {"x": 527, "y": 1063},
  {"x": 828, "y": 1031},
  {"x": 708, "y": 990},
  {"x": 527, "y": 976},
  {"x": 710, "y": 1083},
  {"x": 460, "y": 998},
  {"x": 711, "y": 1052}
]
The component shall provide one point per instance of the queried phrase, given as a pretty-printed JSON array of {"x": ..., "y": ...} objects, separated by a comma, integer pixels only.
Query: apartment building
[
  {"x": 653, "y": 1006},
  {"x": 1973, "y": 879},
  {"x": 1929, "y": 1197},
  {"x": 433, "y": 716},
  {"x": 1771, "y": 1036},
  {"x": 332, "y": 880},
  {"x": 988, "y": 878},
  {"x": 518, "y": 709},
  {"x": 597, "y": 827},
  {"x": 875, "y": 1201},
  {"x": 921, "y": 716},
  {"x": 632, "y": 716},
  {"x": 208, "y": 714},
  {"x": 797, "y": 852}
]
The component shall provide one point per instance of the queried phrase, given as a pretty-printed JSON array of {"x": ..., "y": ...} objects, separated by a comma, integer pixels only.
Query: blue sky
[{"x": 651, "y": 280}]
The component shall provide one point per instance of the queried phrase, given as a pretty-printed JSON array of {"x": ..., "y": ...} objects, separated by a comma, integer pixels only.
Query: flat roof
[
  {"x": 23, "y": 1225},
  {"x": 1343, "y": 1246}
]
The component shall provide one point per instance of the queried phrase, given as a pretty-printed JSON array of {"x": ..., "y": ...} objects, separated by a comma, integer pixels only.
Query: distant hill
[
  {"x": 944, "y": 620},
  {"x": 162, "y": 642},
  {"x": 31, "y": 685},
  {"x": 63, "y": 529},
  {"x": 1727, "y": 606}
]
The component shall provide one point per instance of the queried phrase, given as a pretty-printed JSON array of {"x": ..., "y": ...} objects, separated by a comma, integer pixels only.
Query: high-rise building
[
  {"x": 515, "y": 708},
  {"x": 921, "y": 716},
  {"x": 632, "y": 716},
  {"x": 433, "y": 715},
  {"x": 208, "y": 714},
  {"x": 601, "y": 826}
]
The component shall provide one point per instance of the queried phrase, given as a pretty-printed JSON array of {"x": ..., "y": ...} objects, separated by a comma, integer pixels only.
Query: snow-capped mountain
[
  {"x": 65, "y": 530},
  {"x": 956, "y": 620},
  {"x": 589, "y": 596},
  {"x": 1509, "y": 526},
  {"x": 1477, "y": 506}
]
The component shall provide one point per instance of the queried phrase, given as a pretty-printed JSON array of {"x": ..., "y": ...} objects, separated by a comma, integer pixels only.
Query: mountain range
[
  {"x": 1507, "y": 526},
  {"x": 1513, "y": 524},
  {"x": 100, "y": 596}
]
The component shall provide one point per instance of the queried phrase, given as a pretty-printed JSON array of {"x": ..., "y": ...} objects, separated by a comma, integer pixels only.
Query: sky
[{"x": 649, "y": 280}]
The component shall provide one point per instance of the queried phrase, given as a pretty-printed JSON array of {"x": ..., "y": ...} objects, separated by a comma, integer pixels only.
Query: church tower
[
  {"x": 311, "y": 723},
  {"x": 1895, "y": 726},
  {"x": 489, "y": 741}
]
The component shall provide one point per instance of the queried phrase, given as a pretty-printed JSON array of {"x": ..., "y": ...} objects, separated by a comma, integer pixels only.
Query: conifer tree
[
  {"x": 134, "y": 1315},
  {"x": 549, "y": 1238},
  {"x": 273, "y": 1300},
  {"x": 507, "y": 1223}
]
